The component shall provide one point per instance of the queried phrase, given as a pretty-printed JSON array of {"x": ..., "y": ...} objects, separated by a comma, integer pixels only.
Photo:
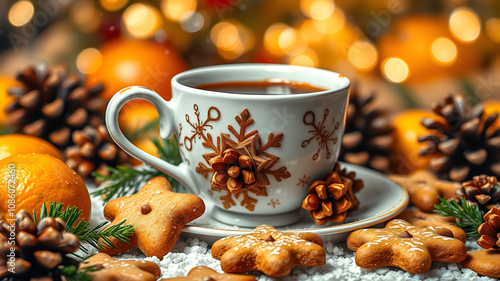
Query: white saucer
[{"x": 380, "y": 200}]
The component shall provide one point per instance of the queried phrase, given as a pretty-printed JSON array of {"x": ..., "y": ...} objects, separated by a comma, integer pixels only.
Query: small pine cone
[
  {"x": 357, "y": 184},
  {"x": 232, "y": 170},
  {"x": 37, "y": 251},
  {"x": 367, "y": 136},
  {"x": 464, "y": 146},
  {"x": 52, "y": 103},
  {"x": 93, "y": 151},
  {"x": 482, "y": 190},
  {"x": 330, "y": 199},
  {"x": 490, "y": 229}
]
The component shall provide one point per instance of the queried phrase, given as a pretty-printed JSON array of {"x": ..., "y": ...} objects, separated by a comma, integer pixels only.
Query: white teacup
[{"x": 252, "y": 156}]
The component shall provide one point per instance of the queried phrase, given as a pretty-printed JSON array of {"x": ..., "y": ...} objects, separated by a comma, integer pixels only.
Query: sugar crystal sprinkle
[{"x": 340, "y": 264}]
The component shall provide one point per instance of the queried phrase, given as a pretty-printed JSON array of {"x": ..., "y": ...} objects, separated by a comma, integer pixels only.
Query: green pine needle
[
  {"x": 5, "y": 131},
  {"x": 136, "y": 135},
  {"x": 72, "y": 273},
  {"x": 469, "y": 216},
  {"x": 88, "y": 235},
  {"x": 124, "y": 181}
]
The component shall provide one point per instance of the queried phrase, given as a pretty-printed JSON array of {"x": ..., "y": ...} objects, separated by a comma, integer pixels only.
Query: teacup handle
[{"x": 167, "y": 128}]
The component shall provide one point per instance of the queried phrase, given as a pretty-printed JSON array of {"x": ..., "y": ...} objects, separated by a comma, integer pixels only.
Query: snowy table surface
[{"x": 340, "y": 265}]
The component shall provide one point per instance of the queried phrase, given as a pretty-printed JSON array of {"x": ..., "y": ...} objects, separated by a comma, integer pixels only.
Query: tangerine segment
[{"x": 35, "y": 179}]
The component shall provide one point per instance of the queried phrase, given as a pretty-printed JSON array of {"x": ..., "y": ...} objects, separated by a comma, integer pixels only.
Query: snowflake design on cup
[
  {"x": 199, "y": 127},
  {"x": 320, "y": 133},
  {"x": 242, "y": 166}
]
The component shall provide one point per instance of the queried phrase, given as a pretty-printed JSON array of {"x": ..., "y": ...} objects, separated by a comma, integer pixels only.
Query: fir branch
[
  {"x": 469, "y": 216},
  {"x": 5, "y": 131},
  {"x": 124, "y": 181},
  {"x": 73, "y": 273},
  {"x": 88, "y": 235},
  {"x": 137, "y": 134}
]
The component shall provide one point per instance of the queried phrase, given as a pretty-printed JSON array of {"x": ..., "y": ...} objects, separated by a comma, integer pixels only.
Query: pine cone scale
[
  {"x": 52, "y": 100},
  {"x": 48, "y": 259},
  {"x": 477, "y": 157},
  {"x": 40, "y": 249},
  {"x": 367, "y": 136},
  {"x": 465, "y": 147},
  {"x": 31, "y": 100},
  {"x": 93, "y": 148}
]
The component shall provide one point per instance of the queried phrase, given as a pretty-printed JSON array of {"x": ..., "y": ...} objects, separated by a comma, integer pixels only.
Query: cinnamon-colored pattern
[
  {"x": 320, "y": 133},
  {"x": 242, "y": 166}
]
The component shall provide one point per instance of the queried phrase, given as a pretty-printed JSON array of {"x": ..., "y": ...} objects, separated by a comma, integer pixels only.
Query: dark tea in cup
[{"x": 264, "y": 87}]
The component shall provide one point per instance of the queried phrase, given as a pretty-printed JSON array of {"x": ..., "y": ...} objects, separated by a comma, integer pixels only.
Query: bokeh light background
[{"x": 409, "y": 52}]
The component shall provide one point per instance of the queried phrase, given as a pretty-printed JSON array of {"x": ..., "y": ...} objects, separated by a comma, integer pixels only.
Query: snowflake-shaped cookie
[
  {"x": 270, "y": 251},
  {"x": 406, "y": 246}
]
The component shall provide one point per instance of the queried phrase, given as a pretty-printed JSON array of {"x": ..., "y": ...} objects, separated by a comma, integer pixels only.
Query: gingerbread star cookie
[
  {"x": 423, "y": 219},
  {"x": 203, "y": 273},
  {"x": 270, "y": 251},
  {"x": 157, "y": 215},
  {"x": 403, "y": 245},
  {"x": 111, "y": 269},
  {"x": 484, "y": 262},
  {"x": 424, "y": 188}
]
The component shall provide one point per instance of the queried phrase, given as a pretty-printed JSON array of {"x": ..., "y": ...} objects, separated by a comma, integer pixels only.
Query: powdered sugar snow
[{"x": 340, "y": 264}]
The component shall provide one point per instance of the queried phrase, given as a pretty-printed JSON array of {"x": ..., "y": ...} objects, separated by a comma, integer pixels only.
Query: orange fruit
[
  {"x": 489, "y": 108},
  {"x": 138, "y": 115},
  {"x": 38, "y": 179},
  {"x": 18, "y": 144},
  {"x": 5, "y": 99},
  {"x": 147, "y": 146},
  {"x": 407, "y": 129},
  {"x": 130, "y": 62},
  {"x": 133, "y": 118}
]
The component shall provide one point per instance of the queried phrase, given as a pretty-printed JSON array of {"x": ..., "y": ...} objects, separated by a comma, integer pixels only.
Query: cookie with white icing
[
  {"x": 270, "y": 251},
  {"x": 406, "y": 246},
  {"x": 424, "y": 219}
]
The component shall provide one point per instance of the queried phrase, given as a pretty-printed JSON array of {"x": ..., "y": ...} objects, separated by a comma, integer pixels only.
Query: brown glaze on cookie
[
  {"x": 157, "y": 215},
  {"x": 403, "y": 245},
  {"x": 112, "y": 269},
  {"x": 270, "y": 251},
  {"x": 203, "y": 273}
]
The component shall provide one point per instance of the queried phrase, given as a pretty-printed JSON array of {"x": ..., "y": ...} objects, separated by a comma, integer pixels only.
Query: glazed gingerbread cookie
[
  {"x": 424, "y": 188},
  {"x": 203, "y": 273},
  {"x": 484, "y": 262},
  {"x": 422, "y": 219},
  {"x": 270, "y": 251},
  {"x": 111, "y": 269},
  {"x": 403, "y": 245},
  {"x": 157, "y": 215}
]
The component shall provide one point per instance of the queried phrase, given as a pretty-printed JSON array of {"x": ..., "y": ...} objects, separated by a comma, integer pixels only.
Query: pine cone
[
  {"x": 367, "y": 136},
  {"x": 490, "y": 229},
  {"x": 52, "y": 103},
  {"x": 330, "y": 199},
  {"x": 357, "y": 184},
  {"x": 464, "y": 148},
  {"x": 93, "y": 151},
  {"x": 38, "y": 250},
  {"x": 232, "y": 170},
  {"x": 482, "y": 190}
]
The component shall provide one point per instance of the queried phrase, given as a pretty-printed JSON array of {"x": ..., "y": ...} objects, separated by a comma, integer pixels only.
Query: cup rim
[{"x": 238, "y": 66}]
